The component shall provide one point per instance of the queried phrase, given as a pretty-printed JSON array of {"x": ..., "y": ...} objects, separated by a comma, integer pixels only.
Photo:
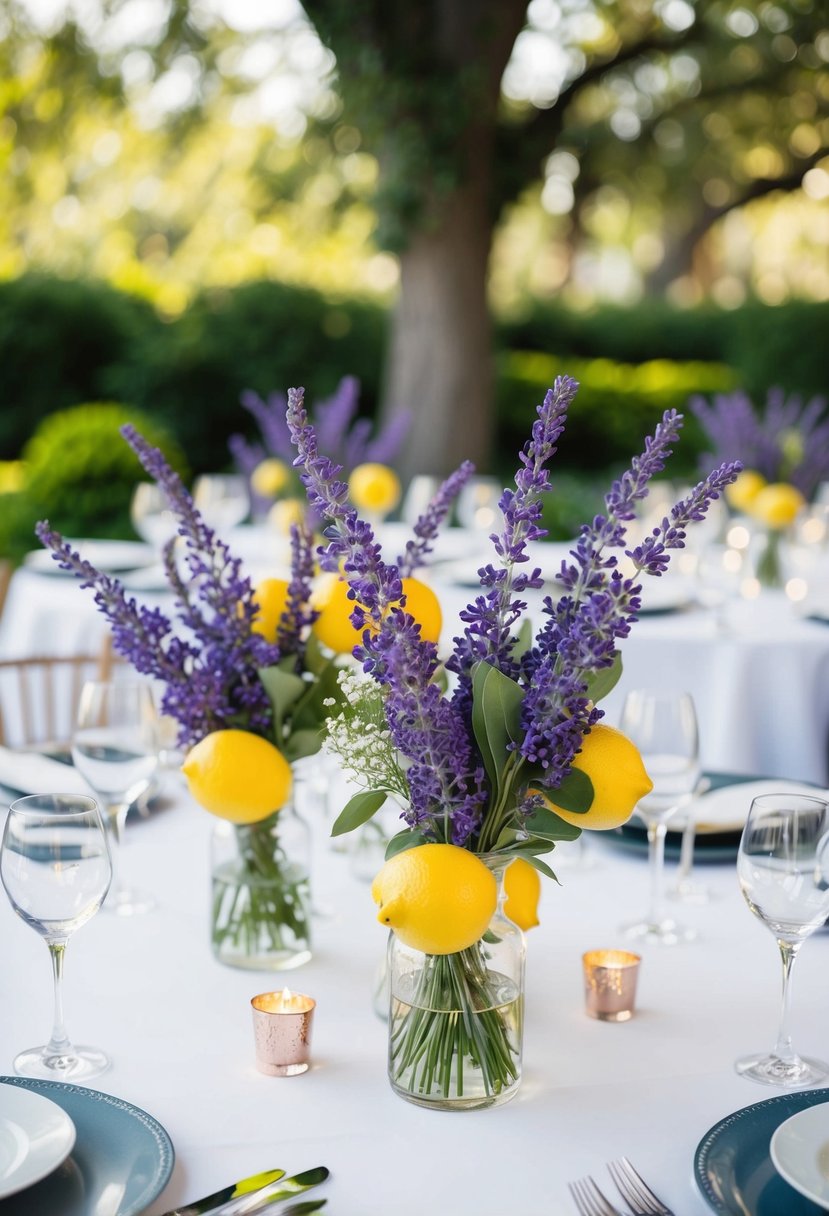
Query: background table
[{"x": 178, "y": 1027}]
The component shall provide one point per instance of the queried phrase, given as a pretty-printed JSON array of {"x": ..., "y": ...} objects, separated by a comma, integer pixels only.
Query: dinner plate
[
  {"x": 121, "y": 1161},
  {"x": 800, "y": 1152},
  {"x": 734, "y": 1170},
  {"x": 109, "y": 556},
  {"x": 36, "y": 1135},
  {"x": 726, "y": 809}
]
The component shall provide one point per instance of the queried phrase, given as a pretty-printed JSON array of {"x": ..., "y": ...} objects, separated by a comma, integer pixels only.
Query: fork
[
  {"x": 634, "y": 1190},
  {"x": 589, "y": 1199}
]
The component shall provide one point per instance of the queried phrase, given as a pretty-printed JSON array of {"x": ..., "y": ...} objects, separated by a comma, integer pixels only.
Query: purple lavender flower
[
  {"x": 786, "y": 441},
  {"x": 445, "y": 782},
  {"x": 428, "y": 524},
  {"x": 298, "y": 617}
]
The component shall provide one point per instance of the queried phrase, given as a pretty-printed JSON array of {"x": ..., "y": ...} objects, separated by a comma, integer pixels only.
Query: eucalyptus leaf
[
  {"x": 601, "y": 682},
  {"x": 575, "y": 793},
  {"x": 496, "y": 717},
  {"x": 284, "y": 688},
  {"x": 544, "y": 822},
  {"x": 542, "y": 867},
  {"x": 358, "y": 810},
  {"x": 301, "y": 743},
  {"x": 408, "y": 839}
]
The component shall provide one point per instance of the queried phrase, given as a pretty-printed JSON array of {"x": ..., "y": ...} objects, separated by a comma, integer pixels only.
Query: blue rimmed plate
[
  {"x": 121, "y": 1161},
  {"x": 733, "y": 1166}
]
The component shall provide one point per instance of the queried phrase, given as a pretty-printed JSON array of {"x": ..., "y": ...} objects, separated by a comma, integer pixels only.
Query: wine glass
[
  {"x": 115, "y": 747},
  {"x": 222, "y": 499},
  {"x": 56, "y": 869},
  {"x": 720, "y": 572},
  {"x": 664, "y": 728},
  {"x": 783, "y": 870},
  {"x": 151, "y": 516}
]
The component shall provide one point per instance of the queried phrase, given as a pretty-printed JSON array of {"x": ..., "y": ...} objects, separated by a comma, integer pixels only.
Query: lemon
[
  {"x": 271, "y": 599},
  {"x": 777, "y": 505},
  {"x": 237, "y": 775},
  {"x": 334, "y": 629},
  {"x": 740, "y": 494},
  {"x": 374, "y": 488},
  {"x": 270, "y": 477},
  {"x": 615, "y": 768},
  {"x": 286, "y": 512},
  {"x": 522, "y": 884},
  {"x": 437, "y": 898}
]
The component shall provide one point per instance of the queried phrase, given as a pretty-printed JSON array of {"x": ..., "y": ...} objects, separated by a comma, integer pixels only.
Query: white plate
[
  {"x": 35, "y": 1137},
  {"x": 726, "y": 810},
  {"x": 667, "y": 594},
  {"x": 800, "y": 1152},
  {"x": 109, "y": 556}
]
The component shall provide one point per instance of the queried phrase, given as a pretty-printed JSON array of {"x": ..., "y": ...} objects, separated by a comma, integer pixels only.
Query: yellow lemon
[
  {"x": 615, "y": 768},
  {"x": 271, "y": 599},
  {"x": 777, "y": 505},
  {"x": 237, "y": 775},
  {"x": 286, "y": 512},
  {"x": 334, "y": 629},
  {"x": 437, "y": 898},
  {"x": 270, "y": 477},
  {"x": 522, "y": 884},
  {"x": 744, "y": 489},
  {"x": 374, "y": 488}
]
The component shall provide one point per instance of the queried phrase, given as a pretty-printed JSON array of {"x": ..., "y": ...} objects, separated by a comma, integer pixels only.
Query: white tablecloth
[
  {"x": 178, "y": 1027},
  {"x": 761, "y": 691}
]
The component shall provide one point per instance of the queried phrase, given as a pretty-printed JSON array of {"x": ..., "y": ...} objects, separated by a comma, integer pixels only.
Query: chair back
[{"x": 39, "y": 694}]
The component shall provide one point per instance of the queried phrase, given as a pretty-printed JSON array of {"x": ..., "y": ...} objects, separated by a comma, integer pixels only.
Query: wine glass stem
[
  {"x": 59, "y": 1043},
  {"x": 116, "y": 822},
  {"x": 783, "y": 1048},
  {"x": 656, "y": 861},
  {"x": 686, "y": 852}
]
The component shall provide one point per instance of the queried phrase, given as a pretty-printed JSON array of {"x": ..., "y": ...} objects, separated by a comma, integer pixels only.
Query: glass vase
[
  {"x": 261, "y": 906},
  {"x": 768, "y": 565},
  {"x": 456, "y": 1020}
]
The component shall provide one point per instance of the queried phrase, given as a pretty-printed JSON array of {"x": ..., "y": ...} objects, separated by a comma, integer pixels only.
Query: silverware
[
  {"x": 634, "y": 1190},
  {"x": 281, "y": 1188},
  {"x": 236, "y": 1189},
  {"x": 589, "y": 1199}
]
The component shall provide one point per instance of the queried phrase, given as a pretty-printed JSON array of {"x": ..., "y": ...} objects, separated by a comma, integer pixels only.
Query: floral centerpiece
[
  {"x": 498, "y": 767},
  {"x": 246, "y": 682},
  {"x": 344, "y": 437},
  {"x": 785, "y": 450}
]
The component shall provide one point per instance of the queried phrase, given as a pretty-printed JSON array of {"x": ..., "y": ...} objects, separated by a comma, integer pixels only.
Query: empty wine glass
[
  {"x": 222, "y": 499},
  {"x": 56, "y": 870},
  {"x": 115, "y": 747},
  {"x": 151, "y": 516},
  {"x": 664, "y": 728},
  {"x": 720, "y": 572},
  {"x": 477, "y": 505},
  {"x": 783, "y": 870}
]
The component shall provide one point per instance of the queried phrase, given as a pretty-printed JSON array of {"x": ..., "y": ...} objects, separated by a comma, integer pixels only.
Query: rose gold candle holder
[
  {"x": 282, "y": 1032},
  {"x": 610, "y": 984}
]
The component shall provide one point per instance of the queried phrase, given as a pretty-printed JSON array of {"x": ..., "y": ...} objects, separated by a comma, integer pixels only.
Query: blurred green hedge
[
  {"x": 66, "y": 342},
  {"x": 79, "y": 473}
]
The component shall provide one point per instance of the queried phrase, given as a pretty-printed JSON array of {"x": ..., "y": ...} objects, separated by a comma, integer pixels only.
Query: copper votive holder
[
  {"x": 610, "y": 984},
  {"x": 282, "y": 1032}
]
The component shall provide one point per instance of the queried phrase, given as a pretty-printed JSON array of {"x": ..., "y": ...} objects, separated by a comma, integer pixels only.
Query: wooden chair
[{"x": 39, "y": 694}]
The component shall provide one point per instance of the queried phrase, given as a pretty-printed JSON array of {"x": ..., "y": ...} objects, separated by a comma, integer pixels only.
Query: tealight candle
[
  {"x": 282, "y": 1032},
  {"x": 610, "y": 984}
]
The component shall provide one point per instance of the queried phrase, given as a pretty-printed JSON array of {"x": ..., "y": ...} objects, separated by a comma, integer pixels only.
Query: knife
[
  {"x": 234, "y": 1191},
  {"x": 275, "y": 1192}
]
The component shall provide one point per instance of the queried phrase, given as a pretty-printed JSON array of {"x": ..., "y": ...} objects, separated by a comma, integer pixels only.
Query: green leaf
[
  {"x": 315, "y": 660},
  {"x": 409, "y": 839},
  {"x": 311, "y": 711},
  {"x": 358, "y": 810},
  {"x": 284, "y": 688},
  {"x": 441, "y": 678},
  {"x": 600, "y": 683},
  {"x": 301, "y": 743},
  {"x": 542, "y": 867},
  {"x": 544, "y": 822},
  {"x": 575, "y": 793},
  {"x": 496, "y": 714},
  {"x": 523, "y": 640}
]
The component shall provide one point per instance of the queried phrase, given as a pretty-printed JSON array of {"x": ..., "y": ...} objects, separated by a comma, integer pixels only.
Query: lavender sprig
[
  {"x": 446, "y": 788},
  {"x": 428, "y": 524},
  {"x": 298, "y": 617},
  {"x": 491, "y": 617}
]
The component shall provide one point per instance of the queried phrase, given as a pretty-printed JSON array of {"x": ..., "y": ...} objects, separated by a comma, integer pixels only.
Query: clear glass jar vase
[
  {"x": 261, "y": 899},
  {"x": 456, "y": 1020}
]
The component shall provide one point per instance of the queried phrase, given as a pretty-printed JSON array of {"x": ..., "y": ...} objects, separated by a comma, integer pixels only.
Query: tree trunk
[{"x": 440, "y": 355}]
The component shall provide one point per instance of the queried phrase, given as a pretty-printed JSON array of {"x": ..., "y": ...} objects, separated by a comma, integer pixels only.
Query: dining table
[{"x": 177, "y": 1024}]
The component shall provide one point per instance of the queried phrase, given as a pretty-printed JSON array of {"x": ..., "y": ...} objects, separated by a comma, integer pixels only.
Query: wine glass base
[
  {"x": 785, "y": 1074},
  {"x": 661, "y": 933},
  {"x": 689, "y": 892},
  {"x": 128, "y": 902},
  {"x": 76, "y": 1064}
]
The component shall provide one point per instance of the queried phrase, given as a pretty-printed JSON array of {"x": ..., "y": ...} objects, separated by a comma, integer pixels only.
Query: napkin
[{"x": 31, "y": 773}]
